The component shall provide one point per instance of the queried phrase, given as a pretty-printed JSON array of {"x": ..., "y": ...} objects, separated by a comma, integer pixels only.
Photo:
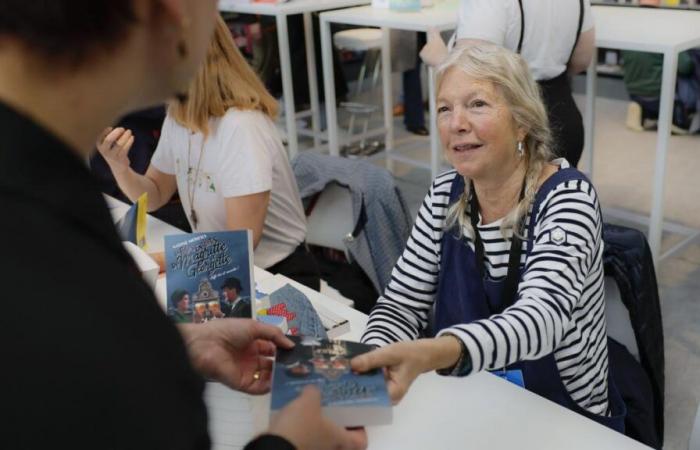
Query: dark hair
[
  {"x": 232, "y": 283},
  {"x": 176, "y": 296},
  {"x": 66, "y": 31}
]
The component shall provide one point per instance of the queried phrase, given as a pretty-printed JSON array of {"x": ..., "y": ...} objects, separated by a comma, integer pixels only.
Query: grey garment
[
  {"x": 381, "y": 218},
  {"x": 404, "y": 50}
]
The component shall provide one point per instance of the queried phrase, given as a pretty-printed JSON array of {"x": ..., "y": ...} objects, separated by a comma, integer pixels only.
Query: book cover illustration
[
  {"x": 348, "y": 398},
  {"x": 132, "y": 227},
  {"x": 301, "y": 317},
  {"x": 209, "y": 275}
]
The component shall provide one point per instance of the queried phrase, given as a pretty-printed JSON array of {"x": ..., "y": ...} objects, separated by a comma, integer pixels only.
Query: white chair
[
  {"x": 330, "y": 220},
  {"x": 368, "y": 40}
]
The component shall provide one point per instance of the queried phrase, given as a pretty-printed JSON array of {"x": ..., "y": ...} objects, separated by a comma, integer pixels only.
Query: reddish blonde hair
[{"x": 225, "y": 80}]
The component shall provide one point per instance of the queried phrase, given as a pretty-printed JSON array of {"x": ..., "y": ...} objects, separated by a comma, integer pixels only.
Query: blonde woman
[
  {"x": 506, "y": 248},
  {"x": 220, "y": 150}
]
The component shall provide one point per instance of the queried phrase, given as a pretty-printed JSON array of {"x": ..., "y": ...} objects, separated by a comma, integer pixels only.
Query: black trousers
[
  {"x": 565, "y": 119},
  {"x": 300, "y": 266}
]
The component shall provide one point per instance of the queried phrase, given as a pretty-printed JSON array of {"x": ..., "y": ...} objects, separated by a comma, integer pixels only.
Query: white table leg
[
  {"x": 589, "y": 115},
  {"x": 387, "y": 96},
  {"x": 287, "y": 85},
  {"x": 434, "y": 138},
  {"x": 313, "y": 83},
  {"x": 329, "y": 87},
  {"x": 668, "y": 85}
]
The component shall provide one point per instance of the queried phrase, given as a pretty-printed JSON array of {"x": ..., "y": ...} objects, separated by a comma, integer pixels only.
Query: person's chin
[{"x": 466, "y": 166}]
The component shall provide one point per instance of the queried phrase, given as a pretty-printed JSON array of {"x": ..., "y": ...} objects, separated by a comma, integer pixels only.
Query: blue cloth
[
  {"x": 464, "y": 297},
  {"x": 381, "y": 217}
]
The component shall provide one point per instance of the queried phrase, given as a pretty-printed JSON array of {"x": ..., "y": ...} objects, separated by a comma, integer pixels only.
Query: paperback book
[
  {"x": 282, "y": 297},
  {"x": 209, "y": 275},
  {"x": 132, "y": 227},
  {"x": 348, "y": 398}
]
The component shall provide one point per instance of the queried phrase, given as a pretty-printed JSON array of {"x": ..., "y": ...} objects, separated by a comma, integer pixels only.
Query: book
[
  {"x": 334, "y": 324},
  {"x": 209, "y": 275},
  {"x": 295, "y": 307},
  {"x": 132, "y": 227},
  {"x": 348, "y": 398}
]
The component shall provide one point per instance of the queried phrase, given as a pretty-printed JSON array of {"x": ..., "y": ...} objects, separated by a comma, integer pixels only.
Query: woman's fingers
[
  {"x": 104, "y": 134},
  {"x": 123, "y": 144},
  {"x": 390, "y": 355},
  {"x": 112, "y": 137}
]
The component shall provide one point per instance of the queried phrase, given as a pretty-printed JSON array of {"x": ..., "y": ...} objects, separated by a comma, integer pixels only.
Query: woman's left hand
[{"x": 404, "y": 361}]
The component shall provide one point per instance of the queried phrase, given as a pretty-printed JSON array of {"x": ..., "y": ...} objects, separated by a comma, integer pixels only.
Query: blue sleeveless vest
[{"x": 463, "y": 297}]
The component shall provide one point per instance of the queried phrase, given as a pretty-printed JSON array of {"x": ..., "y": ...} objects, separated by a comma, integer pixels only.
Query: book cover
[
  {"x": 209, "y": 275},
  {"x": 348, "y": 398},
  {"x": 132, "y": 227},
  {"x": 290, "y": 303}
]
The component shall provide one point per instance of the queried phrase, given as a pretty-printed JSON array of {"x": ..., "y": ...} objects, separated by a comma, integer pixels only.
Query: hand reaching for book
[
  {"x": 302, "y": 423},
  {"x": 235, "y": 352},
  {"x": 404, "y": 361},
  {"x": 114, "y": 145}
]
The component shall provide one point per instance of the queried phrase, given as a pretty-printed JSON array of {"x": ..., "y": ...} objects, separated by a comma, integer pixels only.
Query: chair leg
[
  {"x": 364, "y": 130},
  {"x": 351, "y": 125},
  {"x": 377, "y": 68}
]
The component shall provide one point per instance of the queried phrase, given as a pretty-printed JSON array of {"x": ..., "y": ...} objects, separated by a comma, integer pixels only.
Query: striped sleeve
[
  {"x": 567, "y": 239},
  {"x": 402, "y": 312}
]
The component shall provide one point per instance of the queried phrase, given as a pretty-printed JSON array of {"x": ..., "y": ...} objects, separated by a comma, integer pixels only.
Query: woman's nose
[{"x": 459, "y": 122}]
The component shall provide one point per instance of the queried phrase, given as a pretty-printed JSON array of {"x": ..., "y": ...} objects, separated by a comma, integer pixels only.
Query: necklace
[{"x": 192, "y": 186}]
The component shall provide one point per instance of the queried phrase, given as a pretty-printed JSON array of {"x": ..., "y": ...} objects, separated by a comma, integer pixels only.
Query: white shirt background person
[{"x": 242, "y": 155}]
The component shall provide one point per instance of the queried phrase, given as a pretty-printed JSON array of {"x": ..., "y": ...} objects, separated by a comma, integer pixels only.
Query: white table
[
  {"x": 438, "y": 412},
  {"x": 280, "y": 11},
  {"x": 442, "y": 17},
  {"x": 481, "y": 411},
  {"x": 665, "y": 31}
]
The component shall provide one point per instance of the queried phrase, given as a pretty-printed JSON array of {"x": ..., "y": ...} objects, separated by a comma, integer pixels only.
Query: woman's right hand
[
  {"x": 404, "y": 361},
  {"x": 302, "y": 424},
  {"x": 114, "y": 144}
]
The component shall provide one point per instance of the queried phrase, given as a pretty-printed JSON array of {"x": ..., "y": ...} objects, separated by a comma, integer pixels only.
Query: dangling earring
[
  {"x": 182, "y": 49},
  {"x": 521, "y": 149}
]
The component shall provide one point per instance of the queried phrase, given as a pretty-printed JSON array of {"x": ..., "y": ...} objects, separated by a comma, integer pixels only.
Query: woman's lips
[{"x": 466, "y": 147}]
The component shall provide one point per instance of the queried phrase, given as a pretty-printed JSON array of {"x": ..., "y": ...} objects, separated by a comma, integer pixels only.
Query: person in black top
[{"x": 106, "y": 369}]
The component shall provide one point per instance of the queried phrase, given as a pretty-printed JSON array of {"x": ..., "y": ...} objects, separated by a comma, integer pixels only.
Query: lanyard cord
[
  {"x": 510, "y": 286},
  {"x": 192, "y": 187}
]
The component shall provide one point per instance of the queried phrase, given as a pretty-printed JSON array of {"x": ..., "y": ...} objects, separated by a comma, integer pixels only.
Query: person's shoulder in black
[{"x": 105, "y": 369}]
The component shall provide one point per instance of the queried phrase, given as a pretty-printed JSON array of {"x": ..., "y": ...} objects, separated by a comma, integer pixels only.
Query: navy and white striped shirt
[{"x": 560, "y": 306}]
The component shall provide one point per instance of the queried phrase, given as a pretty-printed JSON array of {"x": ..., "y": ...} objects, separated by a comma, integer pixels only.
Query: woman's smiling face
[{"x": 476, "y": 126}]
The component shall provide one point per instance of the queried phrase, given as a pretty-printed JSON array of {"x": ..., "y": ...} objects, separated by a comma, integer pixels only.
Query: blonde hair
[
  {"x": 225, "y": 80},
  {"x": 511, "y": 76}
]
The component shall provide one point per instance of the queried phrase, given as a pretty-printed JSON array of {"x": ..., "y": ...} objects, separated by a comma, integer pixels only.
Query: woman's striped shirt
[{"x": 560, "y": 305}]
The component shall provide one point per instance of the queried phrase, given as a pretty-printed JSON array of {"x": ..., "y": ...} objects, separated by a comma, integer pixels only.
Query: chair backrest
[
  {"x": 330, "y": 220},
  {"x": 617, "y": 318}
]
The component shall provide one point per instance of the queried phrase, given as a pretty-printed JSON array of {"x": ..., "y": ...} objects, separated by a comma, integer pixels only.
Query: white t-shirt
[
  {"x": 550, "y": 29},
  {"x": 243, "y": 155}
]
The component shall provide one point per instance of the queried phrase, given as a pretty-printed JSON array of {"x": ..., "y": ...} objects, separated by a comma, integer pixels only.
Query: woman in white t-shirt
[
  {"x": 555, "y": 37},
  {"x": 220, "y": 150}
]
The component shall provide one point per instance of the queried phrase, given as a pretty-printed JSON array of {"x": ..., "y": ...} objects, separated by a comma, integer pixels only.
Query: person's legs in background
[{"x": 414, "y": 117}]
